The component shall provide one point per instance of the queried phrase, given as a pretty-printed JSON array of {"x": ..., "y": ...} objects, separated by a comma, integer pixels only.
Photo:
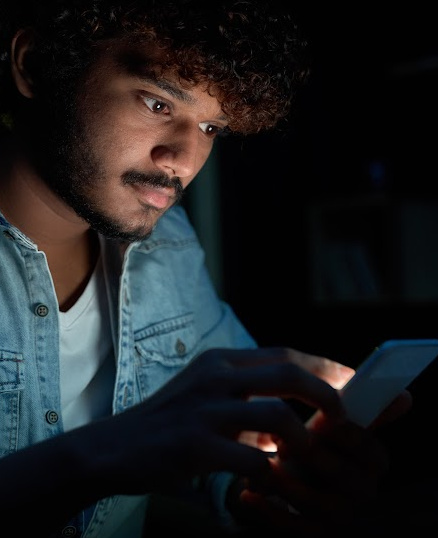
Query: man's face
[{"x": 121, "y": 153}]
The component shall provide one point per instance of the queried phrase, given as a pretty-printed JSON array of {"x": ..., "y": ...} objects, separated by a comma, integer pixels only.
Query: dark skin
[
  {"x": 328, "y": 489},
  {"x": 343, "y": 463},
  {"x": 201, "y": 417}
]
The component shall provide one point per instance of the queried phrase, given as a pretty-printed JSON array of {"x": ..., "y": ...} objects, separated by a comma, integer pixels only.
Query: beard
[{"x": 65, "y": 159}]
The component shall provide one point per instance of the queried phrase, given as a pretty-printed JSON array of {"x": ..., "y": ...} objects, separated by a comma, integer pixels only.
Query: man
[{"x": 122, "y": 373}]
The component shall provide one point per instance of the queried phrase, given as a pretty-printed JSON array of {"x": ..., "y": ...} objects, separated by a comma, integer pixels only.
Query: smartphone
[{"x": 384, "y": 374}]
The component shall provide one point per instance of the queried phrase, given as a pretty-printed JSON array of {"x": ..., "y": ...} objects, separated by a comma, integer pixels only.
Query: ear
[{"x": 20, "y": 46}]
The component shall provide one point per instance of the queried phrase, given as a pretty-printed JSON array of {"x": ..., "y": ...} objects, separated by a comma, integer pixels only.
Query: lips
[{"x": 158, "y": 197}]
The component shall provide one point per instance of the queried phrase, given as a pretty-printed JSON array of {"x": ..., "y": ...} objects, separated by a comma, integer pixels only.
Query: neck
[{"x": 70, "y": 246}]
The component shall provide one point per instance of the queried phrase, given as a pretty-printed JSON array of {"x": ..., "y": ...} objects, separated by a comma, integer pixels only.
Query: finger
[
  {"x": 334, "y": 373},
  {"x": 348, "y": 457},
  {"x": 264, "y": 441},
  {"x": 312, "y": 500},
  {"x": 286, "y": 380},
  {"x": 223, "y": 454},
  {"x": 396, "y": 409},
  {"x": 293, "y": 501},
  {"x": 266, "y": 418},
  {"x": 278, "y": 372},
  {"x": 264, "y": 513},
  {"x": 354, "y": 443}
]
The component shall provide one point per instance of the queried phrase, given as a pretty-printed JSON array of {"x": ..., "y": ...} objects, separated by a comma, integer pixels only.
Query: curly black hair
[{"x": 250, "y": 52}]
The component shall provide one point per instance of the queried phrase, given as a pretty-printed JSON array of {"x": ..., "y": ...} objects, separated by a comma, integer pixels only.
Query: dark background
[
  {"x": 323, "y": 237},
  {"x": 355, "y": 171},
  {"x": 328, "y": 230}
]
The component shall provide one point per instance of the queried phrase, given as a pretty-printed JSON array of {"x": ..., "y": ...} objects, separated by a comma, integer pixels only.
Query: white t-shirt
[{"x": 87, "y": 364}]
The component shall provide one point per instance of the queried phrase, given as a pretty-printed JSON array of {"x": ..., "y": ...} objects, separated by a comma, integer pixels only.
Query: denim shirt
[{"x": 164, "y": 312}]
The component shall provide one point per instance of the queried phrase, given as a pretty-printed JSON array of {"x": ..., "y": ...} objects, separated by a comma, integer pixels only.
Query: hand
[
  {"x": 337, "y": 483},
  {"x": 319, "y": 493},
  {"x": 332, "y": 372},
  {"x": 192, "y": 424}
]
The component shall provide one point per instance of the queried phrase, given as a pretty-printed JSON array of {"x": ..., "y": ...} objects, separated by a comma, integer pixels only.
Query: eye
[
  {"x": 155, "y": 106},
  {"x": 211, "y": 130}
]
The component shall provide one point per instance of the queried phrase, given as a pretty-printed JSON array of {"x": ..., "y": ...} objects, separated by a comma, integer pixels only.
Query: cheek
[
  {"x": 120, "y": 149},
  {"x": 106, "y": 124}
]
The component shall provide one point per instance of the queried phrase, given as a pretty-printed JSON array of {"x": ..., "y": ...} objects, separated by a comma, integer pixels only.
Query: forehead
[
  {"x": 141, "y": 59},
  {"x": 144, "y": 60},
  {"x": 146, "y": 64}
]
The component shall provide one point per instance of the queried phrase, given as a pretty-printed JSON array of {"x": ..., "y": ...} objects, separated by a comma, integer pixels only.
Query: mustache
[{"x": 133, "y": 177}]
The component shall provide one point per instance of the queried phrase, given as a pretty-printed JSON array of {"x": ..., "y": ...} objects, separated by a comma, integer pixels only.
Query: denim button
[
  {"x": 69, "y": 531},
  {"x": 52, "y": 417},
  {"x": 180, "y": 347},
  {"x": 41, "y": 310}
]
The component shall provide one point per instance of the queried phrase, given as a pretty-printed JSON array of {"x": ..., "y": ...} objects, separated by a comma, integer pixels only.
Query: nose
[{"x": 179, "y": 155}]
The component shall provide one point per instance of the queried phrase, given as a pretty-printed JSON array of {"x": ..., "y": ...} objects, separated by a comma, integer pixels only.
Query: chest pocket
[
  {"x": 162, "y": 350},
  {"x": 11, "y": 385}
]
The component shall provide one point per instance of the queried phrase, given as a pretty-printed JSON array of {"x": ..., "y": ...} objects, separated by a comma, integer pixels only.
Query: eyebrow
[
  {"x": 172, "y": 90},
  {"x": 135, "y": 64},
  {"x": 169, "y": 87}
]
